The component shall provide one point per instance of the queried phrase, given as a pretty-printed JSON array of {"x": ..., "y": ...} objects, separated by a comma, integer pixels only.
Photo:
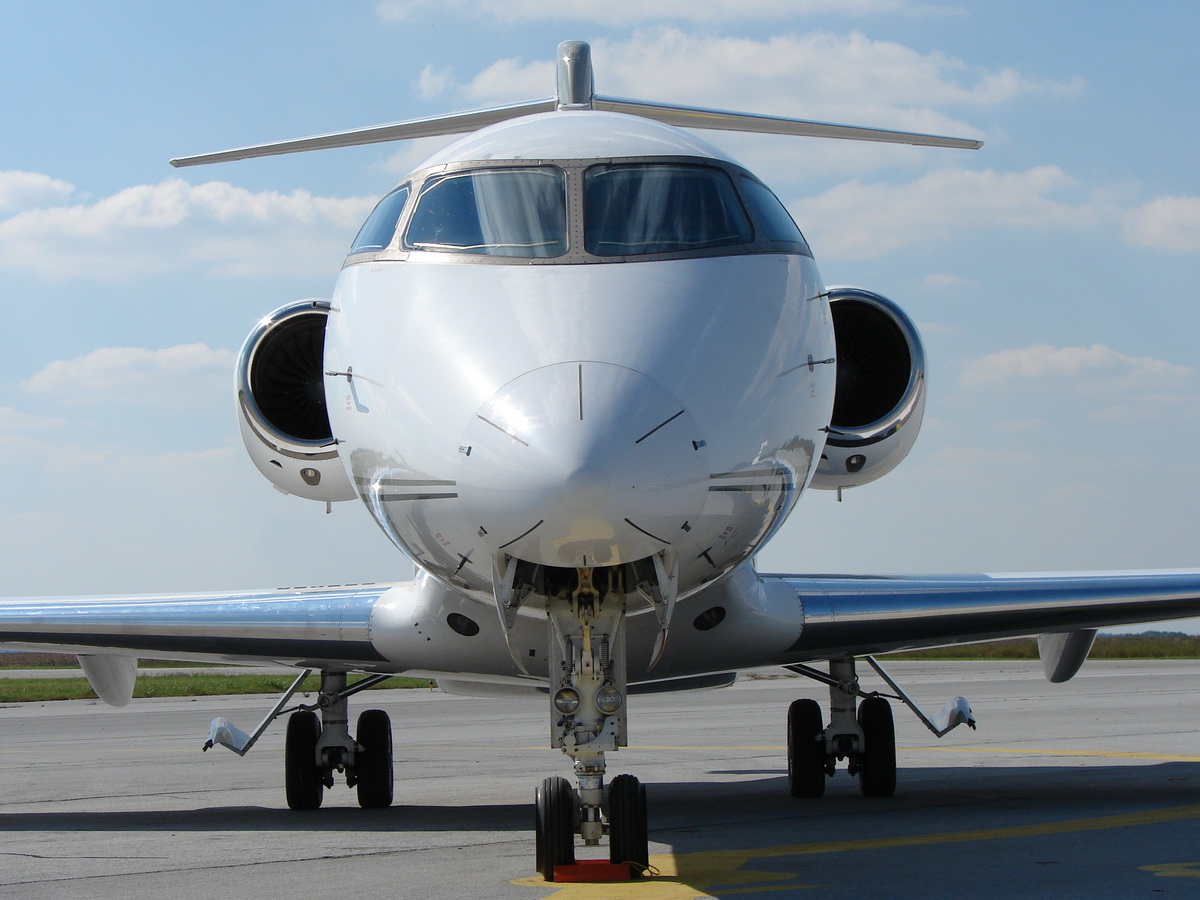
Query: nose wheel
[
  {"x": 587, "y": 720},
  {"x": 558, "y": 812},
  {"x": 555, "y": 813},
  {"x": 628, "y": 839}
]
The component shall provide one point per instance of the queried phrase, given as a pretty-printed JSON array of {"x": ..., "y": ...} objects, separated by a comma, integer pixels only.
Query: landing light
[
  {"x": 608, "y": 699},
  {"x": 566, "y": 700}
]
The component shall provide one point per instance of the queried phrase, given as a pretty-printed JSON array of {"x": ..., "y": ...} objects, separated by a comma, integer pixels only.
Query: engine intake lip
[
  {"x": 883, "y": 316},
  {"x": 267, "y": 422}
]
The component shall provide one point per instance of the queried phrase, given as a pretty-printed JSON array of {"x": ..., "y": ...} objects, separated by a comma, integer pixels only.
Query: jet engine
[
  {"x": 281, "y": 404},
  {"x": 879, "y": 398}
]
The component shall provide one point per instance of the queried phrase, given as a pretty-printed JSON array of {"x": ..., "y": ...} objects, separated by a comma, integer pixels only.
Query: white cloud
[
  {"x": 631, "y": 11},
  {"x": 136, "y": 374},
  {"x": 815, "y": 75},
  {"x": 860, "y": 220},
  {"x": 172, "y": 226},
  {"x": 26, "y": 190},
  {"x": 13, "y": 420},
  {"x": 1170, "y": 223},
  {"x": 432, "y": 83},
  {"x": 511, "y": 80},
  {"x": 1173, "y": 408},
  {"x": 818, "y": 74},
  {"x": 410, "y": 154},
  {"x": 1084, "y": 364}
]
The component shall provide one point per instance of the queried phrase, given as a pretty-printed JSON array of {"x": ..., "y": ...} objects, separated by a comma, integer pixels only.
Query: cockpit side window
[
  {"x": 774, "y": 222},
  {"x": 377, "y": 231},
  {"x": 640, "y": 208},
  {"x": 493, "y": 212}
]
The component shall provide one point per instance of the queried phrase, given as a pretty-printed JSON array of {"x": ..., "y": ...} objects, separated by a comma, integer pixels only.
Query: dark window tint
[
  {"x": 660, "y": 208},
  {"x": 377, "y": 231},
  {"x": 770, "y": 216},
  {"x": 494, "y": 212}
]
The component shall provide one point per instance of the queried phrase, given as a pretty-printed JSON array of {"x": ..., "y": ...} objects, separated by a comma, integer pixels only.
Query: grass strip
[
  {"x": 29, "y": 690},
  {"x": 1107, "y": 646}
]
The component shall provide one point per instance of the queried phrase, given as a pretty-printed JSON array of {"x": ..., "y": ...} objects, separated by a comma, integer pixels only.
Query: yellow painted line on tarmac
[
  {"x": 1174, "y": 870},
  {"x": 698, "y": 747},
  {"x": 1033, "y": 751},
  {"x": 692, "y": 747},
  {"x": 717, "y": 873},
  {"x": 1026, "y": 751}
]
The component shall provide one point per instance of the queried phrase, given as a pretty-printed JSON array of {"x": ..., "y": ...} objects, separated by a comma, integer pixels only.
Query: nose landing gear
[{"x": 587, "y": 692}]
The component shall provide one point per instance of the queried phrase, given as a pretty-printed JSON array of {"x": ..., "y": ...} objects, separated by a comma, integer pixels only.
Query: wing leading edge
[
  {"x": 324, "y": 627},
  {"x": 854, "y": 616},
  {"x": 794, "y": 618}
]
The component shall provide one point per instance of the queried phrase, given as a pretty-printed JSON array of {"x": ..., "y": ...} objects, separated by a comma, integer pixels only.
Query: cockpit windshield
[
  {"x": 638, "y": 208},
  {"x": 380, "y": 226},
  {"x": 493, "y": 212}
]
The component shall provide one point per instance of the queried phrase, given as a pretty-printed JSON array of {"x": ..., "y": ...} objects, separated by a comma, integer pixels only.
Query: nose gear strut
[{"x": 588, "y": 719}]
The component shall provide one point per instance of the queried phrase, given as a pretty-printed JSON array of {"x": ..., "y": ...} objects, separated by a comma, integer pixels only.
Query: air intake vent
[
  {"x": 286, "y": 377},
  {"x": 874, "y": 365}
]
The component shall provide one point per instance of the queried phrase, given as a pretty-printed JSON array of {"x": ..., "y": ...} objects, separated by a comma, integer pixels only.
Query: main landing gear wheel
[
  {"x": 806, "y": 749},
  {"x": 302, "y": 776},
  {"x": 628, "y": 840},
  {"x": 877, "y": 763},
  {"x": 554, "y": 825},
  {"x": 373, "y": 760}
]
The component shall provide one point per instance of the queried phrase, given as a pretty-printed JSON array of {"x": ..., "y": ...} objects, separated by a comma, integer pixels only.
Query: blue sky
[{"x": 1053, "y": 274}]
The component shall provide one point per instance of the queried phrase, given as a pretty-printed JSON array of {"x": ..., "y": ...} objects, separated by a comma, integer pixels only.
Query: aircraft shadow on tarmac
[{"x": 693, "y": 816}]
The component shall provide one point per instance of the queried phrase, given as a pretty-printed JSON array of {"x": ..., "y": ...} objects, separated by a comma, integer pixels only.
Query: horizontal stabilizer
[
  {"x": 431, "y": 126},
  {"x": 574, "y": 91},
  {"x": 679, "y": 116},
  {"x": 722, "y": 120}
]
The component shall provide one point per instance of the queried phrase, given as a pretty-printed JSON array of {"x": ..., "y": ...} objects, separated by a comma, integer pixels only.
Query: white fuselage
[{"x": 582, "y": 412}]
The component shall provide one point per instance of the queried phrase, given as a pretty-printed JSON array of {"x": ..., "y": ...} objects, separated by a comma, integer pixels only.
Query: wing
[
  {"x": 854, "y": 616},
  {"x": 311, "y": 628},
  {"x": 828, "y": 615}
]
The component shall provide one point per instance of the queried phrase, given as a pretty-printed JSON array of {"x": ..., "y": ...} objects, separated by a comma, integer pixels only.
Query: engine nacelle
[
  {"x": 281, "y": 404},
  {"x": 879, "y": 399}
]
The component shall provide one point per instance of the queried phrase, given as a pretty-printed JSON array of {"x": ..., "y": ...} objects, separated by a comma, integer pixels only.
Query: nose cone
[{"x": 582, "y": 464}]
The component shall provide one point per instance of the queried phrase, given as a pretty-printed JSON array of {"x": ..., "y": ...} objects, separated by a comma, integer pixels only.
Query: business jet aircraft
[{"x": 580, "y": 366}]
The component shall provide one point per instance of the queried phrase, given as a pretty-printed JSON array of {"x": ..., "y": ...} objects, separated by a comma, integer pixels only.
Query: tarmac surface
[{"x": 1088, "y": 789}]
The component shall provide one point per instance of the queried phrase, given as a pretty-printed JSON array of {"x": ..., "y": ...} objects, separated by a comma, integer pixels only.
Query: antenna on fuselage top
[{"x": 576, "y": 82}]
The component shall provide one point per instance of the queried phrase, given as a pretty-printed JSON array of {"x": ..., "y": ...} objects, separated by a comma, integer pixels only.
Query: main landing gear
[
  {"x": 587, "y": 691},
  {"x": 866, "y": 740},
  {"x": 317, "y": 748}
]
